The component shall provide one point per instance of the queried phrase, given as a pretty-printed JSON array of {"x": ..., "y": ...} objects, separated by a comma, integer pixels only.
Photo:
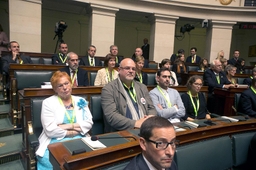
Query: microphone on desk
[{"x": 94, "y": 138}]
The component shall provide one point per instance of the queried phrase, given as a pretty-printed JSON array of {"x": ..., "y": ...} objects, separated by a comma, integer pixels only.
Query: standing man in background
[
  {"x": 90, "y": 59},
  {"x": 235, "y": 61},
  {"x": 145, "y": 49},
  {"x": 61, "y": 57},
  {"x": 193, "y": 58}
]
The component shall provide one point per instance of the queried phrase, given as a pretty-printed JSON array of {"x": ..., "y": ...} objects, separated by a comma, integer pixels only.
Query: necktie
[
  {"x": 91, "y": 62},
  {"x": 218, "y": 78},
  {"x": 74, "y": 79}
]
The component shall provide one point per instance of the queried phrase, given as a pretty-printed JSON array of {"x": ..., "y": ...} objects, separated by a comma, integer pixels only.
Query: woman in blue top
[
  {"x": 194, "y": 101},
  {"x": 63, "y": 117}
]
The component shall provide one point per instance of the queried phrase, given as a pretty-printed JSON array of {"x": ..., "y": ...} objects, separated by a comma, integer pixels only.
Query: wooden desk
[
  {"x": 61, "y": 158},
  {"x": 225, "y": 100}
]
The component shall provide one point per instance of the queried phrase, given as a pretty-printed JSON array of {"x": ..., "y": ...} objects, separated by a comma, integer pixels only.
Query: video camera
[
  {"x": 187, "y": 28},
  {"x": 60, "y": 27}
]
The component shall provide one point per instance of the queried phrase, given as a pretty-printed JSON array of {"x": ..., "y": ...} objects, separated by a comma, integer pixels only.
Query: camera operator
[{"x": 61, "y": 57}]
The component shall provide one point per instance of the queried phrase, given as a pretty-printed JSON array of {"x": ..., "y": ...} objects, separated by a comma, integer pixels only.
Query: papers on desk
[
  {"x": 94, "y": 145},
  {"x": 194, "y": 125},
  {"x": 229, "y": 118},
  {"x": 178, "y": 129},
  {"x": 46, "y": 85}
]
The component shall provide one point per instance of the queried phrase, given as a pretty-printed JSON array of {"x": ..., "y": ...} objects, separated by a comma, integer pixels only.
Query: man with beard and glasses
[
  {"x": 125, "y": 102},
  {"x": 167, "y": 101},
  {"x": 158, "y": 143},
  {"x": 79, "y": 77}
]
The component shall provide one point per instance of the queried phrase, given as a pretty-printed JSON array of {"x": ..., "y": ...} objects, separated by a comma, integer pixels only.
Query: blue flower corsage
[{"x": 82, "y": 104}]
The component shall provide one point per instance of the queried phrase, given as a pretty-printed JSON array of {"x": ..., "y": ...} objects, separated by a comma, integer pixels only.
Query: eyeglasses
[
  {"x": 197, "y": 84},
  {"x": 163, "y": 145},
  {"x": 128, "y": 68},
  {"x": 62, "y": 85}
]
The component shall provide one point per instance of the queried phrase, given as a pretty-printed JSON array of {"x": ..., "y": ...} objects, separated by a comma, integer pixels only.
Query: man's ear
[{"x": 143, "y": 144}]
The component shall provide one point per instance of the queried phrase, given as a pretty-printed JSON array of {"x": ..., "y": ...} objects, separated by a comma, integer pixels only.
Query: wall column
[
  {"x": 162, "y": 36},
  {"x": 218, "y": 37},
  {"x": 102, "y": 28},
  {"x": 25, "y": 24}
]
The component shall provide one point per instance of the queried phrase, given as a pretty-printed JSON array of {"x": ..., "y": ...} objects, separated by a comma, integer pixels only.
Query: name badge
[{"x": 143, "y": 101}]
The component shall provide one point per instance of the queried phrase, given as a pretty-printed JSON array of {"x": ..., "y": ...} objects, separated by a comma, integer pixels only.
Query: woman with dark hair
[
  {"x": 203, "y": 65},
  {"x": 3, "y": 40},
  {"x": 194, "y": 101},
  {"x": 166, "y": 63},
  {"x": 108, "y": 73},
  {"x": 179, "y": 67},
  {"x": 241, "y": 67},
  {"x": 140, "y": 76},
  {"x": 63, "y": 116}
]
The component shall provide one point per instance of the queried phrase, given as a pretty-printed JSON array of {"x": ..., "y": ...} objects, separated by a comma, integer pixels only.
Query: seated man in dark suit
[
  {"x": 193, "y": 58},
  {"x": 13, "y": 58},
  {"x": 61, "y": 57},
  {"x": 114, "y": 52},
  {"x": 248, "y": 80},
  {"x": 78, "y": 76},
  {"x": 215, "y": 78},
  {"x": 247, "y": 101},
  {"x": 90, "y": 60},
  {"x": 158, "y": 143}
]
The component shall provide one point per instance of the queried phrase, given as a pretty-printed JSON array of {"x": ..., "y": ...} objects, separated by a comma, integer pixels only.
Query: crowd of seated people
[{"x": 125, "y": 100}]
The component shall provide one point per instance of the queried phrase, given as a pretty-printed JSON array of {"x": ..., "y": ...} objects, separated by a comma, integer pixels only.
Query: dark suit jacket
[
  {"x": 7, "y": 60},
  {"x": 120, "y": 58},
  {"x": 234, "y": 62},
  {"x": 247, "y": 103},
  {"x": 82, "y": 76},
  {"x": 56, "y": 59},
  {"x": 189, "y": 59},
  {"x": 138, "y": 163},
  {"x": 173, "y": 58},
  {"x": 210, "y": 80},
  {"x": 145, "y": 50},
  {"x": 144, "y": 78},
  {"x": 248, "y": 81},
  {"x": 85, "y": 61}
]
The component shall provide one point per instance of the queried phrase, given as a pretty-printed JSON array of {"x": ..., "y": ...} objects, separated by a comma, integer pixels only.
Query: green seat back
[
  {"x": 210, "y": 154},
  {"x": 97, "y": 114},
  {"x": 92, "y": 76}
]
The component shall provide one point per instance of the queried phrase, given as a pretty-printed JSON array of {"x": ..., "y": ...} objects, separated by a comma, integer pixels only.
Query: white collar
[{"x": 150, "y": 166}]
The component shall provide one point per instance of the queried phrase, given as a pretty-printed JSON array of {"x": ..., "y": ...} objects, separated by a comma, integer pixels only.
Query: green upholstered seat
[
  {"x": 92, "y": 76},
  {"x": 151, "y": 78},
  {"x": 153, "y": 65},
  {"x": 47, "y": 61},
  {"x": 31, "y": 79},
  {"x": 36, "y": 60},
  {"x": 210, "y": 154},
  {"x": 97, "y": 114},
  {"x": 240, "y": 145},
  {"x": 240, "y": 80},
  {"x": 192, "y": 68}
]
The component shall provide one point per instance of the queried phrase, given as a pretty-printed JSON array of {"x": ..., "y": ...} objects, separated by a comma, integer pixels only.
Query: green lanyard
[
  {"x": 253, "y": 90},
  {"x": 73, "y": 77},
  {"x": 251, "y": 77},
  {"x": 193, "y": 104},
  {"x": 218, "y": 78},
  {"x": 91, "y": 62},
  {"x": 167, "y": 101},
  {"x": 133, "y": 93},
  {"x": 116, "y": 59},
  {"x": 108, "y": 76},
  {"x": 73, "y": 112},
  {"x": 63, "y": 61},
  {"x": 140, "y": 77},
  {"x": 193, "y": 59}
]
